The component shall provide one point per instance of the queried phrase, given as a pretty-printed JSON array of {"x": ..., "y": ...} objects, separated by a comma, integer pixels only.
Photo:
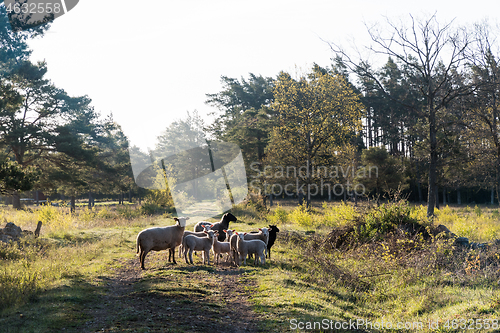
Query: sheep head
[{"x": 181, "y": 221}]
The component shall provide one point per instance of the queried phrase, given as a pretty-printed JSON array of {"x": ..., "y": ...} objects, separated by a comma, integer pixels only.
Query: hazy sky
[{"x": 150, "y": 62}]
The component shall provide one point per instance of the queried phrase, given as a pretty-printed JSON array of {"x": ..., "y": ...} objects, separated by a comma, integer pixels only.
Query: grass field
[{"x": 82, "y": 274}]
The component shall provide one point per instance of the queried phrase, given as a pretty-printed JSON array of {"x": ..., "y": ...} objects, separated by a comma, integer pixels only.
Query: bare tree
[{"x": 433, "y": 59}]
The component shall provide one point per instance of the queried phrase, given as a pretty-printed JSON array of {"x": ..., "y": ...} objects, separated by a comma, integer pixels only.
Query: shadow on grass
[{"x": 177, "y": 304}]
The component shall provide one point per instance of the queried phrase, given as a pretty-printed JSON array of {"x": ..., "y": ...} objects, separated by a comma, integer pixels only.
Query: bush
[
  {"x": 128, "y": 213},
  {"x": 337, "y": 215},
  {"x": 53, "y": 218},
  {"x": 279, "y": 216},
  {"x": 301, "y": 216},
  {"x": 387, "y": 218},
  {"x": 105, "y": 213}
]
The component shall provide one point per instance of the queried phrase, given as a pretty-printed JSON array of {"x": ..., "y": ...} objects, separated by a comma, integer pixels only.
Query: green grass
[{"x": 56, "y": 281}]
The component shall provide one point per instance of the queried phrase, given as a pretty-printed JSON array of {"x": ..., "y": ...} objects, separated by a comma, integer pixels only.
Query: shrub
[
  {"x": 87, "y": 215},
  {"x": 150, "y": 208},
  {"x": 337, "y": 215},
  {"x": 105, "y": 213},
  {"x": 127, "y": 212},
  {"x": 53, "y": 218},
  {"x": 279, "y": 216},
  {"x": 301, "y": 216}
]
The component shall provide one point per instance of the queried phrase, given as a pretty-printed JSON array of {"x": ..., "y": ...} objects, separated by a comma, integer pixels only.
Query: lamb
[
  {"x": 221, "y": 247},
  {"x": 161, "y": 238},
  {"x": 228, "y": 233},
  {"x": 262, "y": 234},
  {"x": 197, "y": 234},
  {"x": 234, "y": 251},
  {"x": 272, "y": 237},
  {"x": 219, "y": 226},
  {"x": 192, "y": 243},
  {"x": 254, "y": 246}
]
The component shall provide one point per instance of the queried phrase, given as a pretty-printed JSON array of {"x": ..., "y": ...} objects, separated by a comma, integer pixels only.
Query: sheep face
[
  {"x": 181, "y": 221},
  {"x": 229, "y": 217},
  {"x": 265, "y": 231},
  {"x": 228, "y": 233},
  {"x": 211, "y": 234},
  {"x": 273, "y": 228}
]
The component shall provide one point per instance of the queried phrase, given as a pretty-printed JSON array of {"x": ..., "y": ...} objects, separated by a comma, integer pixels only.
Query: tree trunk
[
  {"x": 459, "y": 198},
  {"x": 498, "y": 174},
  {"x": 431, "y": 197},
  {"x": 444, "y": 196},
  {"x": 90, "y": 200},
  {"x": 73, "y": 204},
  {"x": 16, "y": 200},
  {"x": 437, "y": 197}
]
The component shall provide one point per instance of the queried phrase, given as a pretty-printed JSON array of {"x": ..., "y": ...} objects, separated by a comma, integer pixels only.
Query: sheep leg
[
  {"x": 236, "y": 257},
  {"x": 191, "y": 256},
  {"x": 206, "y": 254},
  {"x": 142, "y": 257},
  {"x": 185, "y": 254},
  {"x": 172, "y": 253}
]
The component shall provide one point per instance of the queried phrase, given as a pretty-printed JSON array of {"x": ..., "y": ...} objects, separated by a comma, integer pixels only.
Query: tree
[
  {"x": 46, "y": 121},
  {"x": 315, "y": 114},
  {"x": 15, "y": 179},
  {"x": 237, "y": 97},
  {"x": 483, "y": 108},
  {"x": 385, "y": 171},
  {"x": 246, "y": 118},
  {"x": 434, "y": 59}
]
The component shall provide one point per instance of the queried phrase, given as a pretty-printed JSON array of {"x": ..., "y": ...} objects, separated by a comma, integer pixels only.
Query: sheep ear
[
  {"x": 176, "y": 219},
  {"x": 187, "y": 218},
  {"x": 211, "y": 225},
  {"x": 225, "y": 231},
  {"x": 244, "y": 234},
  {"x": 260, "y": 229},
  {"x": 205, "y": 231}
]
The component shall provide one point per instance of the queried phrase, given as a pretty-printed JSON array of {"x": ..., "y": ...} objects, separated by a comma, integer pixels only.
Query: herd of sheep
[{"x": 207, "y": 236}]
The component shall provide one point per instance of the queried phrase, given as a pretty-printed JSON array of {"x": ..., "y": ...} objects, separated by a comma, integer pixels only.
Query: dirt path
[{"x": 172, "y": 298}]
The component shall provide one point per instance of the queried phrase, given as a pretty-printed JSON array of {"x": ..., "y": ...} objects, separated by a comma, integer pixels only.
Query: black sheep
[
  {"x": 220, "y": 226},
  {"x": 272, "y": 237}
]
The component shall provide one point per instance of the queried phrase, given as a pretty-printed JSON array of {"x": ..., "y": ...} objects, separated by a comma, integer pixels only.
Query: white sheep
[
  {"x": 254, "y": 246},
  {"x": 234, "y": 251},
  {"x": 262, "y": 234},
  {"x": 228, "y": 233},
  {"x": 197, "y": 234},
  {"x": 192, "y": 243},
  {"x": 221, "y": 247},
  {"x": 161, "y": 238}
]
